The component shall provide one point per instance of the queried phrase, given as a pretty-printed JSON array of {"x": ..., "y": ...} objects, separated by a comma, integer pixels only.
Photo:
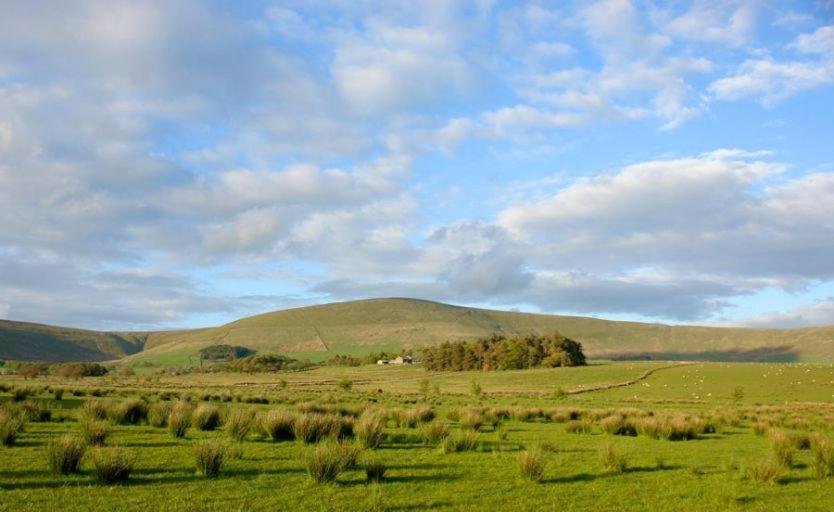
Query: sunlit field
[{"x": 610, "y": 436}]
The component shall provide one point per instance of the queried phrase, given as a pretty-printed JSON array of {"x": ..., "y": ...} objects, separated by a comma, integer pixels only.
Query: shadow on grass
[
  {"x": 401, "y": 479},
  {"x": 795, "y": 479},
  {"x": 160, "y": 444},
  {"x": 426, "y": 506},
  {"x": 139, "y": 477},
  {"x": 589, "y": 477}
]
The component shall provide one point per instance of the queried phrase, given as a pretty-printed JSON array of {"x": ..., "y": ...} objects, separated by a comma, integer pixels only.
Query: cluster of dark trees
[
  {"x": 340, "y": 360},
  {"x": 264, "y": 363},
  {"x": 69, "y": 370},
  {"x": 78, "y": 370},
  {"x": 500, "y": 352},
  {"x": 224, "y": 352}
]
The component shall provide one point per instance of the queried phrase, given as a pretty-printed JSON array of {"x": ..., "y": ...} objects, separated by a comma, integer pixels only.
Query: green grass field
[{"x": 709, "y": 472}]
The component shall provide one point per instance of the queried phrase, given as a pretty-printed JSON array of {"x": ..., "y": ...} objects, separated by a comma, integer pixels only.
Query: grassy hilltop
[{"x": 391, "y": 324}]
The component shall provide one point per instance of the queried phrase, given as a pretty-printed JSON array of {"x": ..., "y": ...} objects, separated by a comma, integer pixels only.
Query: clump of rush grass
[
  {"x": 278, "y": 424},
  {"x": 205, "y": 417},
  {"x": 370, "y": 427},
  {"x": 612, "y": 459},
  {"x": 239, "y": 424},
  {"x": 781, "y": 446},
  {"x": 132, "y": 411},
  {"x": 531, "y": 464},
  {"x": 112, "y": 465},
  {"x": 618, "y": 425},
  {"x": 801, "y": 440},
  {"x": 65, "y": 453},
  {"x": 314, "y": 427},
  {"x": 158, "y": 414},
  {"x": 823, "y": 452},
  {"x": 579, "y": 426},
  {"x": 350, "y": 453},
  {"x": 96, "y": 409},
  {"x": 761, "y": 427},
  {"x": 522, "y": 414},
  {"x": 93, "y": 431},
  {"x": 12, "y": 424},
  {"x": 768, "y": 471},
  {"x": 434, "y": 432},
  {"x": 34, "y": 411},
  {"x": 208, "y": 456},
  {"x": 471, "y": 419},
  {"x": 418, "y": 415},
  {"x": 459, "y": 443},
  {"x": 325, "y": 463},
  {"x": 179, "y": 419}
]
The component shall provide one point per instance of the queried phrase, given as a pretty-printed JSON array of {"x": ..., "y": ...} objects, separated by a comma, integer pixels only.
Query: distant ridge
[{"x": 361, "y": 326}]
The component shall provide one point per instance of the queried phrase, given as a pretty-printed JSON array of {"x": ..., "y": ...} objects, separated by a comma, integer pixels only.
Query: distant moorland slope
[{"x": 362, "y": 326}]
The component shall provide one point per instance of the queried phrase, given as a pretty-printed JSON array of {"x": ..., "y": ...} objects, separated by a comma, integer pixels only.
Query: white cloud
[
  {"x": 388, "y": 68},
  {"x": 726, "y": 214},
  {"x": 710, "y": 21},
  {"x": 771, "y": 80},
  {"x": 813, "y": 315}
]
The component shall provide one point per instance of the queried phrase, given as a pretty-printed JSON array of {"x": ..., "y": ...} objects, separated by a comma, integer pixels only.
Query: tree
[
  {"x": 503, "y": 353},
  {"x": 31, "y": 370}
]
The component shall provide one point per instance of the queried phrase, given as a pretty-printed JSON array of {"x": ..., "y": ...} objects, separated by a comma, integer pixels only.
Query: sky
[{"x": 177, "y": 163}]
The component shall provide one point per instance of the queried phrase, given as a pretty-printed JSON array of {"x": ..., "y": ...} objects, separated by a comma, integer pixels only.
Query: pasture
[{"x": 747, "y": 437}]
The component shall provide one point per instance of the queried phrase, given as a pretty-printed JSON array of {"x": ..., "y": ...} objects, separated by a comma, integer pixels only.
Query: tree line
[{"x": 499, "y": 352}]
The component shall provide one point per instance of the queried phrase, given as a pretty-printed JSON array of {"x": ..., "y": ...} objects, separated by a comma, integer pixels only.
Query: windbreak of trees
[
  {"x": 72, "y": 370},
  {"x": 265, "y": 363},
  {"x": 78, "y": 370},
  {"x": 499, "y": 352},
  {"x": 224, "y": 352}
]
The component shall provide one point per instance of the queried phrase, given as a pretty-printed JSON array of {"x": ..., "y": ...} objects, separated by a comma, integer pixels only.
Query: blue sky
[{"x": 178, "y": 164}]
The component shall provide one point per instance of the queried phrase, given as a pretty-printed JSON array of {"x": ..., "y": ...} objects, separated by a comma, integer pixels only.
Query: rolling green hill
[
  {"x": 27, "y": 341},
  {"x": 362, "y": 326}
]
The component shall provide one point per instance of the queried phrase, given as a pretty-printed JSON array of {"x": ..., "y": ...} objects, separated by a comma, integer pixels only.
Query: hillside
[
  {"x": 28, "y": 341},
  {"x": 391, "y": 324}
]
